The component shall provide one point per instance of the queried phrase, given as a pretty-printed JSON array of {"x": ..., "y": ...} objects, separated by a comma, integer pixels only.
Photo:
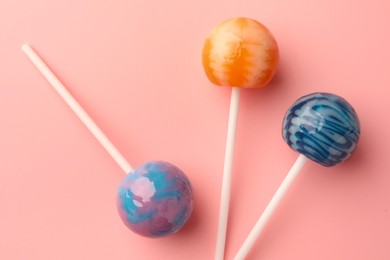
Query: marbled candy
[
  {"x": 155, "y": 199},
  {"x": 240, "y": 52},
  {"x": 322, "y": 126}
]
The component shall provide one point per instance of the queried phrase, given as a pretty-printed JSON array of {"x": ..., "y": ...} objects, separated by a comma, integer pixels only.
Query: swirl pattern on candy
[
  {"x": 240, "y": 52},
  {"x": 322, "y": 126},
  {"x": 155, "y": 199}
]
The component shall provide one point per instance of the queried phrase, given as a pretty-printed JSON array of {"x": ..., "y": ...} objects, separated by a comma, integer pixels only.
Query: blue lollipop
[
  {"x": 322, "y": 127},
  {"x": 154, "y": 199}
]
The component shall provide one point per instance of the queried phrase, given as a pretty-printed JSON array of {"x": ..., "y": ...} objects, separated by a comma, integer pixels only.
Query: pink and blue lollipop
[{"x": 154, "y": 199}]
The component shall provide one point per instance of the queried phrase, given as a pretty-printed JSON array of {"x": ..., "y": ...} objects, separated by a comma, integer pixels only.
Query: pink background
[{"x": 135, "y": 66}]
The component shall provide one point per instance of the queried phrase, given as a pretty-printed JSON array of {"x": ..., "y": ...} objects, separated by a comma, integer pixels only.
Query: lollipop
[
  {"x": 238, "y": 53},
  {"x": 322, "y": 127},
  {"x": 154, "y": 199}
]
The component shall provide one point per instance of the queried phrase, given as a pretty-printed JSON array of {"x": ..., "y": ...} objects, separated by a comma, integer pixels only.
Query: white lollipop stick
[
  {"x": 271, "y": 207},
  {"x": 227, "y": 174},
  {"x": 80, "y": 112}
]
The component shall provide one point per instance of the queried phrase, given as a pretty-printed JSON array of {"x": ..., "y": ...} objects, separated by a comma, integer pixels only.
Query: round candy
[
  {"x": 323, "y": 127},
  {"x": 155, "y": 199},
  {"x": 240, "y": 52}
]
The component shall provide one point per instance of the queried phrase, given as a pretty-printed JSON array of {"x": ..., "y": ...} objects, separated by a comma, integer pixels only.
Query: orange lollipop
[{"x": 238, "y": 53}]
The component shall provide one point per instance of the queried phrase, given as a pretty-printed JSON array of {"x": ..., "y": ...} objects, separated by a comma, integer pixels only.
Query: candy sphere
[
  {"x": 155, "y": 199},
  {"x": 240, "y": 52},
  {"x": 322, "y": 126}
]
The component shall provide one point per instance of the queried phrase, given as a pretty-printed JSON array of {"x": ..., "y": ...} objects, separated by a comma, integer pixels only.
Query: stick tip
[{"x": 26, "y": 47}]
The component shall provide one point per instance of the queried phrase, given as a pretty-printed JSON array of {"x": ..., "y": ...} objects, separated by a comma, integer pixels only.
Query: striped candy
[
  {"x": 322, "y": 126},
  {"x": 240, "y": 52}
]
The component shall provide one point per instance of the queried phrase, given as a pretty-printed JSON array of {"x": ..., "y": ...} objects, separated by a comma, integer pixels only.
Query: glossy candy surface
[
  {"x": 322, "y": 126},
  {"x": 240, "y": 52},
  {"x": 155, "y": 199}
]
